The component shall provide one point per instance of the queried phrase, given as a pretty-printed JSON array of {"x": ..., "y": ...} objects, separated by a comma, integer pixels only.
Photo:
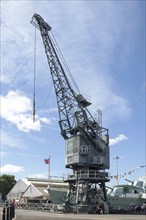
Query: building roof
[
  {"x": 17, "y": 190},
  {"x": 35, "y": 192}
]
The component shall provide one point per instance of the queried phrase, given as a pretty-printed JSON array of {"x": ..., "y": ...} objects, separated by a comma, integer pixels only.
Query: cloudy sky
[{"x": 103, "y": 43}]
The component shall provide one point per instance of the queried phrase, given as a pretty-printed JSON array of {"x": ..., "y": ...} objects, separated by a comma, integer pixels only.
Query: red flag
[
  {"x": 47, "y": 161},
  {"x": 116, "y": 177}
]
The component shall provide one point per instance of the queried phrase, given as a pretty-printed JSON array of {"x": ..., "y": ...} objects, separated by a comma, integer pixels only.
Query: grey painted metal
[{"x": 87, "y": 142}]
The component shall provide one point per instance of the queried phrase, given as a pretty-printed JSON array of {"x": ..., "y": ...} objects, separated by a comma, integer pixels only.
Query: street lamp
[{"x": 117, "y": 158}]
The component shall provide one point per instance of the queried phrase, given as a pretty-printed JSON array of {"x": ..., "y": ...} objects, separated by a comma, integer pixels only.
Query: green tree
[{"x": 6, "y": 184}]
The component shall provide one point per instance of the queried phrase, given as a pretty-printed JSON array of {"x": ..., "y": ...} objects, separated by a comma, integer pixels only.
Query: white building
[{"x": 31, "y": 189}]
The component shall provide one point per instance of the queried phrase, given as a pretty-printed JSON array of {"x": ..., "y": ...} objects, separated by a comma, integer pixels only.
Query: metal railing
[{"x": 90, "y": 174}]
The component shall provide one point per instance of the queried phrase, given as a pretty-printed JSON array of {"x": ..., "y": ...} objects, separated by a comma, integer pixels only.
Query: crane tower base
[{"x": 86, "y": 190}]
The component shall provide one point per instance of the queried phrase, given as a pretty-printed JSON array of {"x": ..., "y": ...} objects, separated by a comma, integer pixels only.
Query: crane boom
[{"x": 68, "y": 101}]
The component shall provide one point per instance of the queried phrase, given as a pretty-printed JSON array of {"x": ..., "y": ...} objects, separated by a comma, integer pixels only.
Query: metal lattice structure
[{"x": 87, "y": 142}]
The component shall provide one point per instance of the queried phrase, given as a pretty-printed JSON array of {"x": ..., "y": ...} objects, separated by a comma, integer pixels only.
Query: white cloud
[
  {"x": 45, "y": 120},
  {"x": 10, "y": 168},
  {"x": 15, "y": 108},
  {"x": 14, "y": 102},
  {"x": 120, "y": 137}
]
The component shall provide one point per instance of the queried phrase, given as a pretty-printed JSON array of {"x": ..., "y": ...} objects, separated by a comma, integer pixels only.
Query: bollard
[
  {"x": 4, "y": 213},
  {"x": 12, "y": 212},
  {"x": 8, "y": 216}
]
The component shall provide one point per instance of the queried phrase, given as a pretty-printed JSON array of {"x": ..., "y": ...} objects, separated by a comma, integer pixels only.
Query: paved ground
[{"x": 38, "y": 215}]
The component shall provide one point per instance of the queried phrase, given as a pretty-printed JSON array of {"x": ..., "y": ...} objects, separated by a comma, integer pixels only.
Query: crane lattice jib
[{"x": 73, "y": 113}]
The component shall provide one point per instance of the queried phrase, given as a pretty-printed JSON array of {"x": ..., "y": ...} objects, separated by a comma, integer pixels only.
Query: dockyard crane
[{"x": 87, "y": 142}]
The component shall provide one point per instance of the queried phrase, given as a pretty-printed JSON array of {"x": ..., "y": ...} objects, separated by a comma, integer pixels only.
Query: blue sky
[{"x": 103, "y": 43}]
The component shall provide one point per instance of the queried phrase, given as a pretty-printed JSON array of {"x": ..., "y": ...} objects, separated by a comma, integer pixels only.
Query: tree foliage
[{"x": 6, "y": 184}]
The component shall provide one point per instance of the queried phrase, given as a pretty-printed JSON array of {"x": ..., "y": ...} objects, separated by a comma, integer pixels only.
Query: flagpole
[
  {"x": 47, "y": 161},
  {"x": 49, "y": 171},
  {"x": 117, "y": 158},
  {"x": 49, "y": 177}
]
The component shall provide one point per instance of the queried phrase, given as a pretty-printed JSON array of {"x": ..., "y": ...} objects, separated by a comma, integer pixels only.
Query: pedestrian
[
  {"x": 143, "y": 207},
  {"x": 138, "y": 209},
  {"x": 99, "y": 209}
]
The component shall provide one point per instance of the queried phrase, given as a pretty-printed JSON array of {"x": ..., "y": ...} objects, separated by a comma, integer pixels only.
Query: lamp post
[{"x": 117, "y": 158}]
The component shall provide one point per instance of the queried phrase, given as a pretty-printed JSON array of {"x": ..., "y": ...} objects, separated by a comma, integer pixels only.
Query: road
[{"x": 39, "y": 215}]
